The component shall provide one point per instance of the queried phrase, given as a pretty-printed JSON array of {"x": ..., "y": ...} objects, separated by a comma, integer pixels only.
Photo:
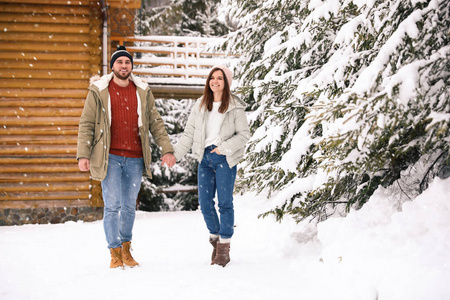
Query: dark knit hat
[{"x": 121, "y": 51}]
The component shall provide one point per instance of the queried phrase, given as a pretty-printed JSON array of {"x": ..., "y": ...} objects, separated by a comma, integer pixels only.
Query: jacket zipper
[{"x": 105, "y": 131}]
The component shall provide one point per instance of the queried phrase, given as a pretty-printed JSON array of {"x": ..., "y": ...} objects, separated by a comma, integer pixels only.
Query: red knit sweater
[{"x": 125, "y": 140}]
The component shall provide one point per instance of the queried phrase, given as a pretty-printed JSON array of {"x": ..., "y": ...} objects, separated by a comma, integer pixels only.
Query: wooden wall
[
  {"x": 121, "y": 15},
  {"x": 48, "y": 51}
]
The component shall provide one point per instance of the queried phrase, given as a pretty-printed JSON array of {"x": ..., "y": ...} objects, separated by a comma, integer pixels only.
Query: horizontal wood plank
[
  {"x": 174, "y": 92},
  {"x": 41, "y": 9},
  {"x": 39, "y": 130},
  {"x": 36, "y": 64},
  {"x": 25, "y": 140},
  {"x": 48, "y": 28},
  {"x": 44, "y": 37},
  {"x": 39, "y": 121},
  {"x": 33, "y": 72},
  {"x": 24, "y": 196},
  {"x": 45, "y": 187},
  {"x": 136, "y": 4},
  {"x": 41, "y": 112},
  {"x": 44, "y": 18},
  {"x": 44, "y": 84},
  {"x": 43, "y": 93},
  {"x": 53, "y": 58},
  {"x": 53, "y": 2},
  {"x": 45, "y": 47},
  {"x": 40, "y": 168},
  {"x": 37, "y": 102},
  {"x": 45, "y": 203},
  {"x": 31, "y": 150},
  {"x": 36, "y": 160},
  {"x": 44, "y": 177}
]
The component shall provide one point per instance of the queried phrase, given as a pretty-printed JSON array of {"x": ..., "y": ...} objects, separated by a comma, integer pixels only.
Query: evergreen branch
[{"x": 427, "y": 173}]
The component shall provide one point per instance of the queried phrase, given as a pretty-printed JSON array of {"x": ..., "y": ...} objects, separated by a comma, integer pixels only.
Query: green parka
[{"x": 94, "y": 135}]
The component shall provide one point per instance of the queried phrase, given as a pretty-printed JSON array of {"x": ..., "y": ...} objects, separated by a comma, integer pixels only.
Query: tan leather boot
[
  {"x": 126, "y": 255},
  {"x": 116, "y": 257},
  {"x": 214, "y": 244},
  {"x": 222, "y": 254}
]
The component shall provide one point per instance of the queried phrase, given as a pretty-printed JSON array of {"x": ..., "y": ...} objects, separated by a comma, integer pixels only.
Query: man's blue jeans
[
  {"x": 120, "y": 189},
  {"x": 214, "y": 174}
]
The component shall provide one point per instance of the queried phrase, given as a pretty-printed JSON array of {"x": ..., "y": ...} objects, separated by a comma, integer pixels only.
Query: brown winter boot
[
  {"x": 116, "y": 257},
  {"x": 222, "y": 255},
  {"x": 214, "y": 244},
  {"x": 126, "y": 255}
]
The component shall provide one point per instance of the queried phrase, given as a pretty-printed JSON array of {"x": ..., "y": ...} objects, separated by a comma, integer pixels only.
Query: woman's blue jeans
[
  {"x": 214, "y": 174},
  {"x": 120, "y": 189}
]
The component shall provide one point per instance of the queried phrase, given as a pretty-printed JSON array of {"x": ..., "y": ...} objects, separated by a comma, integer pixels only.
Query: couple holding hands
[{"x": 114, "y": 145}]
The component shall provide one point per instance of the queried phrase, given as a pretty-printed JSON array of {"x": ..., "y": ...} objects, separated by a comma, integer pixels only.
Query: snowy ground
[{"x": 374, "y": 253}]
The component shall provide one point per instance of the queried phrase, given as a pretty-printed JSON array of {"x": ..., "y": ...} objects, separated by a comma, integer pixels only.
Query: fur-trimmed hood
[{"x": 103, "y": 82}]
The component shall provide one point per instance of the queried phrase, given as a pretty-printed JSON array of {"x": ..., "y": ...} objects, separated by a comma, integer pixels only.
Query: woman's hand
[{"x": 216, "y": 150}]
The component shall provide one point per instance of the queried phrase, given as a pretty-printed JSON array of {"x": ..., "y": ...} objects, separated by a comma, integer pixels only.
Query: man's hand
[
  {"x": 83, "y": 164},
  {"x": 169, "y": 159}
]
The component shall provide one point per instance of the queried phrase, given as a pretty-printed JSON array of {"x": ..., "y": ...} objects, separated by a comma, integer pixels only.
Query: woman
[{"x": 216, "y": 131}]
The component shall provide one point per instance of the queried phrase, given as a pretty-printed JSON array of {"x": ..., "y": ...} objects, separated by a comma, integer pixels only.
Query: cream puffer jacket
[{"x": 234, "y": 133}]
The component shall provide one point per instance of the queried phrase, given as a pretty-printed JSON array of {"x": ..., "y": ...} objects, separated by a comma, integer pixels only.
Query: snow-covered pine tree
[
  {"x": 194, "y": 18},
  {"x": 175, "y": 114},
  {"x": 347, "y": 95},
  {"x": 182, "y": 17}
]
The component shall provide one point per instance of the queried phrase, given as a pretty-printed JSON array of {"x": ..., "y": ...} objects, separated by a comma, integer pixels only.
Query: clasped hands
[{"x": 168, "y": 159}]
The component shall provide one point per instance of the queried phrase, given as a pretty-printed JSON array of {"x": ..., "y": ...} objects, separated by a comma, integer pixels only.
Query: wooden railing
[{"x": 174, "y": 59}]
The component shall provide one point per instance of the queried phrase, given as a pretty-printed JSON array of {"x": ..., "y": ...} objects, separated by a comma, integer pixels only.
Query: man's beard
[{"x": 117, "y": 74}]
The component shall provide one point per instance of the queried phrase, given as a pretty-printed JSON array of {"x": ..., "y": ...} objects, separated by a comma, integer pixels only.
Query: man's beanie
[
  {"x": 121, "y": 51},
  {"x": 227, "y": 72}
]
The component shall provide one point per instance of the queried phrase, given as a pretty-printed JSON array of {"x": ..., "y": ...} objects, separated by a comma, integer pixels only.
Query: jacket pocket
[
  {"x": 97, "y": 139},
  {"x": 97, "y": 154}
]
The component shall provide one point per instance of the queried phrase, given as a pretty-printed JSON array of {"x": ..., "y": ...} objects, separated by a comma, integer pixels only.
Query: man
[{"x": 114, "y": 145}]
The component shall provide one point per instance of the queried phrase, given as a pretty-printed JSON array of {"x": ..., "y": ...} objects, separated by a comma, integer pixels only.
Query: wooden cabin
[{"x": 48, "y": 51}]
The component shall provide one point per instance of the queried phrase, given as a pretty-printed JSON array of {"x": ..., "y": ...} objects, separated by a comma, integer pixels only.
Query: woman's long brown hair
[{"x": 208, "y": 95}]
